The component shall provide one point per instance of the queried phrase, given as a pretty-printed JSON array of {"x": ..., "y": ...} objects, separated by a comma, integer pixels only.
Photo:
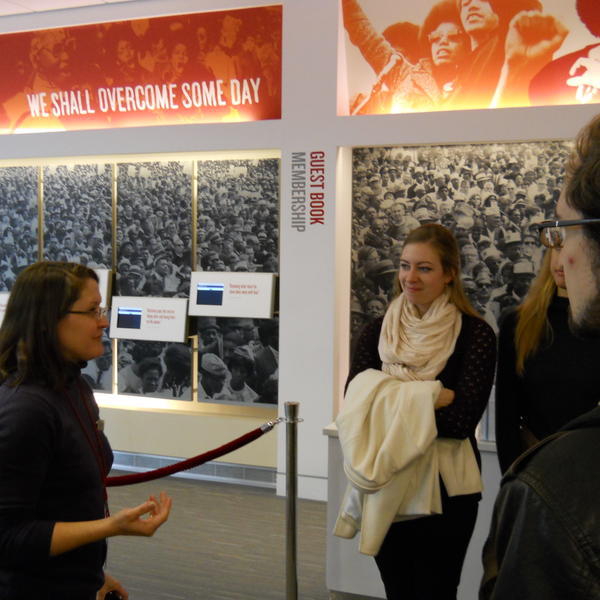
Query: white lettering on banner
[
  {"x": 131, "y": 99},
  {"x": 203, "y": 93},
  {"x": 37, "y": 105},
  {"x": 154, "y": 97},
  {"x": 241, "y": 92},
  {"x": 74, "y": 102}
]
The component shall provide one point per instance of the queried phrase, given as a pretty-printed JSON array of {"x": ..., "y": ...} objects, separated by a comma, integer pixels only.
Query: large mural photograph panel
[
  {"x": 154, "y": 258},
  {"x": 402, "y": 56},
  {"x": 488, "y": 195},
  {"x": 18, "y": 222},
  {"x": 238, "y": 230},
  {"x": 218, "y": 66},
  {"x": 78, "y": 214}
]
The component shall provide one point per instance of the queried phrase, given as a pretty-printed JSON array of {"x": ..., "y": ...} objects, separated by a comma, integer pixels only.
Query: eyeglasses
[
  {"x": 98, "y": 313},
  {"x": 552, "y": 233}
]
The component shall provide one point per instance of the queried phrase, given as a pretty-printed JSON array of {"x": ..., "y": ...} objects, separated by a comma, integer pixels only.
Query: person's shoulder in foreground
[{"x": 545, "y": 537}]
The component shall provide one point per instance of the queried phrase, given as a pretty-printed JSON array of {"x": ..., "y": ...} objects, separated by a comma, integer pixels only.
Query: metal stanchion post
[{"x": 291, "y": 571}]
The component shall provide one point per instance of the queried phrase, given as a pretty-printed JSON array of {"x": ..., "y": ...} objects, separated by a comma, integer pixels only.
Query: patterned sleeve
[
  {"x": 472, "y": 383},
  {"x": 366, "y": 353}
]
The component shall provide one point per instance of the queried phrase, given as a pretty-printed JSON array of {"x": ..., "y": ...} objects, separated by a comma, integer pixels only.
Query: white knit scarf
[{"x": 412, "y": 347}]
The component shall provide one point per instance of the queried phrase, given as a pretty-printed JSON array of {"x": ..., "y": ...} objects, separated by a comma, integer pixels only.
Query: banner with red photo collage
[
  {"x": 401, "y": 56},
  {"x": 195, "y": 68}
]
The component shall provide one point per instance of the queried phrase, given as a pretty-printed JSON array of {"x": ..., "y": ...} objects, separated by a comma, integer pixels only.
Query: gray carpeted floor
[{"x": 222, "y": 542}]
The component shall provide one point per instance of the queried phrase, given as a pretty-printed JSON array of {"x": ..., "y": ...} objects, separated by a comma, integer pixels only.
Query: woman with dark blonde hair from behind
[
  {"x": 54, "y": 456},
  {"x": 539, "y": 360},
  {"x": 419, "y": 381}
]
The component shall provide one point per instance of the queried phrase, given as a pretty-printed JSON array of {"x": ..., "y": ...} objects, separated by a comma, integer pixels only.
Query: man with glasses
[{"x": 545, "y": 534}]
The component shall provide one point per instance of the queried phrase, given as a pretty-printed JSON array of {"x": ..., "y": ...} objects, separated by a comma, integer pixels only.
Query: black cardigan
[
  {"x": 469, "y": 372},
  {"x": 561, "y": 381},
  {"x": 49, "y": 473}
]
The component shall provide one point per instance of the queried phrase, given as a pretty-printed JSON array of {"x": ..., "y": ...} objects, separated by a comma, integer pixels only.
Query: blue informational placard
[{"x": 210, "y": 294}]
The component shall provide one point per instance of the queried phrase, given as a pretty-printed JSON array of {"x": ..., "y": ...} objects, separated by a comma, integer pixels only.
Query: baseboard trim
[{"x": 263, "y": 477}]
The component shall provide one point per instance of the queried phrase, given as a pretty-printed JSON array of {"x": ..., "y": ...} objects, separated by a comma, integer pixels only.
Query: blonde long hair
[{"x": 532, "y": 316}]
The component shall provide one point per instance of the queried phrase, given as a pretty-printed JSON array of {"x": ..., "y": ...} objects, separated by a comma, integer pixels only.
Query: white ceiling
[{"x": 19, "y": 7}]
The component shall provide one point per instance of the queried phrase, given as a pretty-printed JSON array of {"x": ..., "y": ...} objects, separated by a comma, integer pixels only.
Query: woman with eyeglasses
[
  {"x": 546, "y": 376},
  {"x": 54, "y": 457}
]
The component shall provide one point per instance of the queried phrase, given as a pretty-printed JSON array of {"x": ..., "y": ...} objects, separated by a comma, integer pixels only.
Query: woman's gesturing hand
[{"x": 144, "y": 519}]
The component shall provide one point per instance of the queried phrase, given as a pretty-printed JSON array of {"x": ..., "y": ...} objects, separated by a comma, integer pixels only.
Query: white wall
[{"x": 314, "y": 264}]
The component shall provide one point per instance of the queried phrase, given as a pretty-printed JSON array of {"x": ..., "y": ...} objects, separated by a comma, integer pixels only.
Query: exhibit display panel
[
  {"x": 239, "y": 294},
  {"x": 404, "y": 56},
  {"x": 189, "y": 68},
  {"x": 141, "y": 216},
  {"x": 489, "y": 195},
  {"x": 77, "y": 201},
  {"x": 238, "y": 231},
  {"x": 154, "y": 259},
  {"x": 18, "y": 221}
]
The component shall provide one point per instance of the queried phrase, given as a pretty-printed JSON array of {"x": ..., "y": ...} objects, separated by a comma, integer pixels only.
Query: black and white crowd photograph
[
  {"x": 18, "y": 222},
  {"x": 78, "y": 214},
  {"x": 489, "y": 195},
  {"x": 154, "y": 235},
  {"x": 238, "y": 230}
]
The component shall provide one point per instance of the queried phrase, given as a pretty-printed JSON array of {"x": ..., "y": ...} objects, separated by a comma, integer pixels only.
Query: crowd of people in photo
[
  {"x": 488, "y": 195},
  {"x": 238, "y": 215},
  {"x": 238, "y": 360},
  {"x": 154, "y": 221},
  {"x": 155, "y": 369},
  {"x": 18, "y": 222},
  {"x": 78, "y": 214},
  {"x": 238, "y": 231},
  {"x": 154, "y": 229}
]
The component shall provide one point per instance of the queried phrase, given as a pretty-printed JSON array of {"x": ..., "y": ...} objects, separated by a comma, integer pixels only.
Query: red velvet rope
[{"x": 190, "y": 462}]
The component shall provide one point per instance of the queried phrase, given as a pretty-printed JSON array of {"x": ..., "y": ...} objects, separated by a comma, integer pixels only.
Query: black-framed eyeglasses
[
  {"x": 98, "y": 313},
  {"x": 552, "y": 233}
]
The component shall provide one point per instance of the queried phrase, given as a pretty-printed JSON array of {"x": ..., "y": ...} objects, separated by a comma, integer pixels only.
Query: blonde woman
[
  {"x": 419, "y": 382},
  {"x": 539, "y": 360}
]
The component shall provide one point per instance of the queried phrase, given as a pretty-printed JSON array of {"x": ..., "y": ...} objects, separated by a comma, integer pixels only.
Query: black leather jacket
[{"x": 544, "y": 541}]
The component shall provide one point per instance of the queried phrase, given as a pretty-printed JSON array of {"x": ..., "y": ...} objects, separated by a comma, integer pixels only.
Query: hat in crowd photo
[
  {"x": 213, "y": 365},
  {"x": 383, "y": 267},
  {"x": 482, "y": 176},
  {"x": 491, "y": 252},
  {"x": 355, "y": 306},
  {"x": 483, "y": 242},
  {"x": 524, "y": 267},
  {"x": 423, "y": 215},
  {"x": 205, "y": 323},
  {"x": 135, "y": 270},
  {"x": 512, "y": 237},
  {"x": 492, "y": 211},
  {"x": 484, "y": 277}
]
